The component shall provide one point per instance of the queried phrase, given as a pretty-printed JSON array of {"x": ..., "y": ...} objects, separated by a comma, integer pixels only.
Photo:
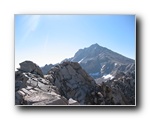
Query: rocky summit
[
  {"x": 98, "y": 61},
  {"x": 68, "y": 84}
]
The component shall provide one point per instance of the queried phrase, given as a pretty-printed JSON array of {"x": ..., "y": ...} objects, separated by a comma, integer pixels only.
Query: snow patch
[
  {"x": 116, "y": 64},
  {"x": 108, "y": 76},
  {"x": 102, "y": 67},
  {"x": 81, "y": 60}
]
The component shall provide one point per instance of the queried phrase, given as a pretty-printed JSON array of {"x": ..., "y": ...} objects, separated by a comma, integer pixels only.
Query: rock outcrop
[
  {"x": 29, "y": 66},
  {"x": 68, "y": 84},
  {"x": 118, "y": 91},
  {"x": 72, "y": 81},
  {"x": 32, "y": 89},
  {"x": 73, "y": 102}
]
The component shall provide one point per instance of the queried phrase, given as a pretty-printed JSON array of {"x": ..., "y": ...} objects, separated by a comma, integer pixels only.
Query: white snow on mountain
[
  {"x": 81, "y": 60},
  {"x": 102, "y": 67},
  {"x": 108, "y": 76},
  {"x": 116, "y": 64}
]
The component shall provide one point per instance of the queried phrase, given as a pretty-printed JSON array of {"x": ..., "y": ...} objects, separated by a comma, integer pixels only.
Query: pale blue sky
[{"x": 46, "y": 39}]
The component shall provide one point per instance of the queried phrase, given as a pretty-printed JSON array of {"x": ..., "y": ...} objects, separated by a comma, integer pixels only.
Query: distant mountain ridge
[
  {"x": 46, "y": 68},
  {"x": 95, "y": 50},
  {"x": 98, "y": 61}
]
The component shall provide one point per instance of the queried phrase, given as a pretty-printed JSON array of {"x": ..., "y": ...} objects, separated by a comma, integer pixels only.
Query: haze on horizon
[{"x": 46, "y": 39}]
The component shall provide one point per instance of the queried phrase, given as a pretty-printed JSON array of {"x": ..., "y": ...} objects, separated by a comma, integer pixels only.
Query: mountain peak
[
  {"x": 99, "y": 61},
  {"x": 95, "y": 45}
]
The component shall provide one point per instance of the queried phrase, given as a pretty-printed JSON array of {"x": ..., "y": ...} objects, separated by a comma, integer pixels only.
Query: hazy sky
[{"x": 46, "y": 39}]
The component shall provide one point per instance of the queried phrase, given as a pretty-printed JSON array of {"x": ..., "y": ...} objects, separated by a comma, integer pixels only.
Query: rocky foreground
[{"x": 69, "y": 84}]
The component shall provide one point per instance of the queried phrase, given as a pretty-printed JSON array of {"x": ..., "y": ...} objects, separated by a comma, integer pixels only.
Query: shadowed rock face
[{"x": 68, "y": 84}]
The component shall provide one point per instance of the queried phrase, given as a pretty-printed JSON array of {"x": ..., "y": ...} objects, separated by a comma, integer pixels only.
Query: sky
[{"x": 49, "y": 39}]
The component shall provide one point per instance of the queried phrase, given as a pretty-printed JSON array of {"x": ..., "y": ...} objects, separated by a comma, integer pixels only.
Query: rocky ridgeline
[
  {"x": 69, "y": 84},
  {"x": 72, "y": 82},
  {"x": 120, "y": 90},
  {"x": 32, "y": 89}
]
